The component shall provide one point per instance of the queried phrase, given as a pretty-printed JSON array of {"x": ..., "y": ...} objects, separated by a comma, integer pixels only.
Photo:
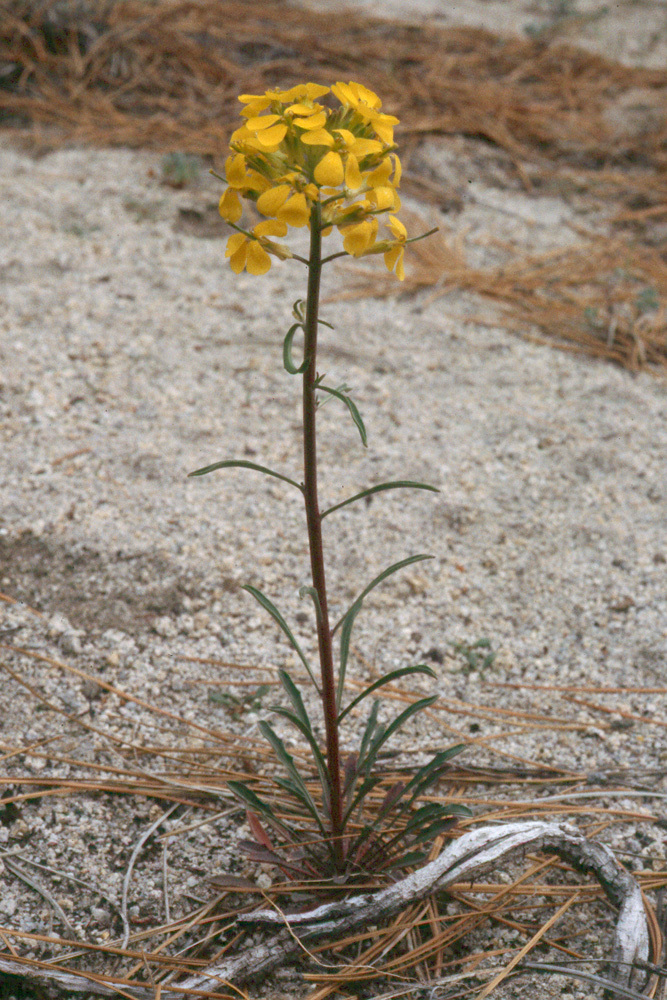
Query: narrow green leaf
[
  {"x": 298, "y": 310},
  {"x": 393, "y": 675},
  {"x": 397, "y": 723},
  {"x": 408, "y": 860},
  {"x": 249, "y": 798},
  {"x": 354, "y": 412},
  {"x": 366, "y": 786},
  {"x": 239, "y": 464},
  {"x": 431, "y": 772},
  {"x": 345, "y": 636},
  {"x": 378, "y": 579},
  {"x": 301, "y": 720},
  {"x": 269, "y": 606},
  {"x": 380, "y": 488},
  {"x": 307, "y": 733},
  {"x": 369, "y": 731},
  {"x": 287, "y": 352},
  {"x": 294, "y": 696},
  {"x": 296, "y": 785}
]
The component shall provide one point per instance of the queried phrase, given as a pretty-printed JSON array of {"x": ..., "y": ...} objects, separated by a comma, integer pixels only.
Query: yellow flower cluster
[{"x": 293, "y": 155}]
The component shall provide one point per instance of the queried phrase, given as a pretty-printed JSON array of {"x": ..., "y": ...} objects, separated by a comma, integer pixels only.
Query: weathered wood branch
[{"x": 465, "y": 858}]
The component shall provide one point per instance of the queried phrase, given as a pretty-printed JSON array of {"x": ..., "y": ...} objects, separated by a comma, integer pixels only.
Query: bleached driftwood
[{"x": 463, "y": 859}]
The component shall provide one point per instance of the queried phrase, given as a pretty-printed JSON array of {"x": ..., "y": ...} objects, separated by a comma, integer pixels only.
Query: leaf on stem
[
  {"x": 280, "y": 621},
  {"x": 354, "y": 412},
  {"x": 393, "y": 675},
  {"x": 378, "y": 579},
  {"x": 287, "y": 352},
  {"x": 300, "y": 719},
  {"x": 398, "y": 484},
  {"x": 295, "y": 785},
  {"x": 314, "y": 596},
  {"x": 235, "y": 463}
]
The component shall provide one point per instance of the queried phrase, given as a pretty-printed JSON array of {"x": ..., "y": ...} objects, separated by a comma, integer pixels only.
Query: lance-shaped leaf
[
  {"x": 295, "y": 784},
  {"x": 278, "y": 618},
  {"x": 378, "y": 579},
  {"x": 345, "y": 636},
  {"x": 236, "y": 463},
  {"x": 393, "y": 675},
  {"x": 300, "y": 719},
  {"x": 249, "y": 798},
  {"x": 354, "y": 412},
  {"x": 381, "y": 737},
  {"x": 380, "y": 488}
]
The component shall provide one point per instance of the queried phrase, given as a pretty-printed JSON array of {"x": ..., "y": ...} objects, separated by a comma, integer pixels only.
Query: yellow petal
[
  {"x": 238, "y": 258},
  {"x": 398, "y": 172},
  {"x": 235, "y": 241},
  {"x": 400, "y": 270},
  {"x": 258, "y": 260},
  {"x": 365, "y": 147},
  {"x": 391, "y": 256},
  {"x": 383, "y": 198},
  {"x": 397, "y": 228},
  {"x": 344, "y": 94},
  {"x": 314, "y": 121},
  {"x": 272, "y": 200},
  {"x": 230, "y": 207},
  {"x": 314, "y": 90},
  {"x": 329, "y": 170},
  {"x": 384, "y": 131},
  {"x": 357, "y": 239},
  {"x": 318, "y": 137},
  {"x": 255, "y": 106},
  {"x": 262, "y": 122},
  {"x": 295, "y": 212},
  {"x": 304, "y": 109},
  {"x": 366, "y": 95},
  {"x": 272, "y": 137},
  {"x": 270, "y": 227},
  {"x": 349, "y": 138},
  {"x": 380, "y": 176},
  {"x": 235, "y": 170},
  {"x": 353, "y": 178}
]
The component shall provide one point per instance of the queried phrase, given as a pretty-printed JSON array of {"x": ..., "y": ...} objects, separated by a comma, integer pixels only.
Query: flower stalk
[{"x": 314, "y": 525}]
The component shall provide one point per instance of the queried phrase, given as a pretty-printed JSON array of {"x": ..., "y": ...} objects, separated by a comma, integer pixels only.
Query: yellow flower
[
  {"x": 230, "y": 207},
  {"x": 367, "y": 104},
  {"x": 256, "y": 103},
  {"x": 252, "y": 251},
  {"x": 383, "y": 194},
  {"x": 269, "y": 130},
  {"x": 354, "y": 95},
  {"x": 393, "y": 257},
  {"x": 288, "y": 207},
  {"x": 359, "y": 239}
]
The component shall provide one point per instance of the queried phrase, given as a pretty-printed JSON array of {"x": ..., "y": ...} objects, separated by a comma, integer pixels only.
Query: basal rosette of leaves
[{"x": 328, "y": 166}]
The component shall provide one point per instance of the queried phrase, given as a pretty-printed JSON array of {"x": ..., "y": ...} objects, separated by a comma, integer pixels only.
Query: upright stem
[{"x": 314, "y": 522}]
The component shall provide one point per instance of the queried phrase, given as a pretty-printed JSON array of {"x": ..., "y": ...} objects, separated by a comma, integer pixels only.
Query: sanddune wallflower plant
[{"x": 325, "y": 158}]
